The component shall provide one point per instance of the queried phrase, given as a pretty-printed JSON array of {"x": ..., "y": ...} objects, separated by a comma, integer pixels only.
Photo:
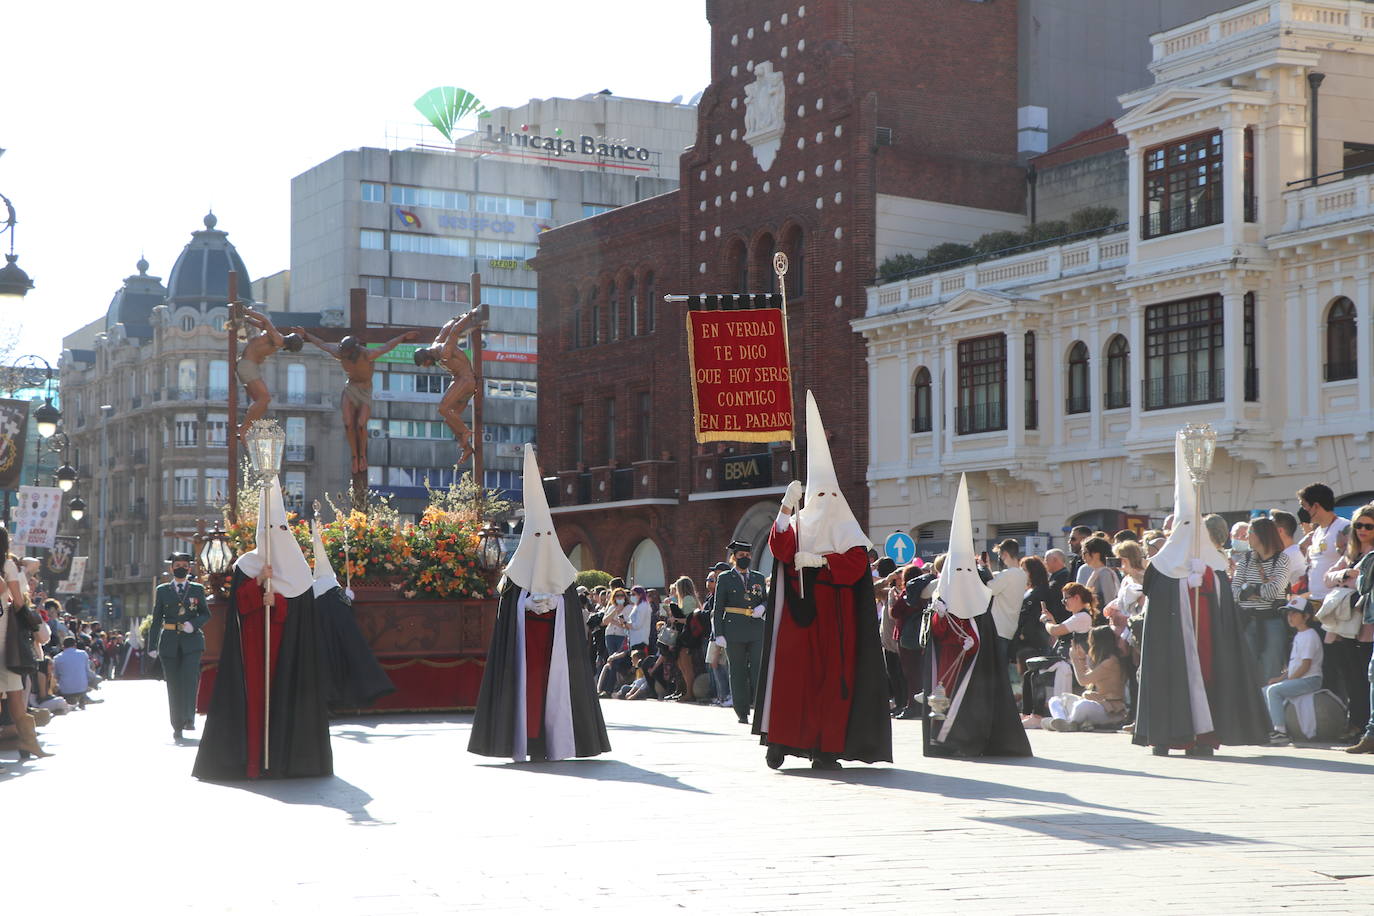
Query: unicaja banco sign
[{"x": 558, "y": 145}]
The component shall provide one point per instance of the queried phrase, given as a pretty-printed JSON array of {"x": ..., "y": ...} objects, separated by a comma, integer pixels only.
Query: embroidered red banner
[{"x": 741, "y": 379}]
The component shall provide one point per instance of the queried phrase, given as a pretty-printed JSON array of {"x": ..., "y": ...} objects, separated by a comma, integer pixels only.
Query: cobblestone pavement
[{"x": 683, "y": 816}]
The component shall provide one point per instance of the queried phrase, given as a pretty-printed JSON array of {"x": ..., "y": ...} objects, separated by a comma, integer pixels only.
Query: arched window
[
  {"x": 1342, "y": 361},
  {"x": 650, "y": 303},
  {"x": 595, "y": 336},
  {"x": 633, "y": 302},
  {"x": 613, "y": 296},
  {"x": 920, "y": 401},
  {"x": 1118, "y": 382},
  {"x": 1078, "y": 379},
  {"x": 188, "y": 323},
  {"x": 646, "y": 566}
]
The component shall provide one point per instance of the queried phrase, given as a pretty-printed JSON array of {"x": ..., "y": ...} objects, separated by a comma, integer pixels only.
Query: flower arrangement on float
[{"x": 435, "y": 557}]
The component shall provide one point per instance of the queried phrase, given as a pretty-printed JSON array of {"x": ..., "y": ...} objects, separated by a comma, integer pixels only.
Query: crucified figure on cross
[
  {"x": 267, "y": 341},
  {"x": 444, "y": 351},
  {"x": 356, "y": 403}
]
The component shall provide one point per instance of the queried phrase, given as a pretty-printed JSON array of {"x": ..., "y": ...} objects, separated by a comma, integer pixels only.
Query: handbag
[
  {"x": 19, "y": 653},
  {"x": 1337, "y": 613},
  {"x": 668, "y": 637}
]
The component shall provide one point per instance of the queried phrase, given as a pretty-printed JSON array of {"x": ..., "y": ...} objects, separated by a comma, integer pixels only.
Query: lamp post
[
  {"x": 13, "y": 281},
  {"x": 266, "y": 441},
  {"x": 106, "y": 411}
]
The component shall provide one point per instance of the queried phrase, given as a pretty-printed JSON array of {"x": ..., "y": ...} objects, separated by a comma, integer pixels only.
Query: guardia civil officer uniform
[
  {"x": 738, "y": 617},
  {"x": 175, "y": 605}
]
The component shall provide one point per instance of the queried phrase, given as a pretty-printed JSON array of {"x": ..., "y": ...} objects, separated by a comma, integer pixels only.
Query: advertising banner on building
[
  {"x": 14, "y": 425},
  {"x": 37, "y": 515},
  {"x": 741, "y": 380},
  {"x": 74, "y": 583},
  {"x": 58, "y": 562}
]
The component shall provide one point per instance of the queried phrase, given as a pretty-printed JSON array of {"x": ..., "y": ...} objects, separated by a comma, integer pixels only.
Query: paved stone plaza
[{"x": 684, "y": 817}]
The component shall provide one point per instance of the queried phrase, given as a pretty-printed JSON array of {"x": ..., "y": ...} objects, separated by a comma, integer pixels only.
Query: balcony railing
[
  {"x": 299, "y": 453},
  {"x": 1183, "y": 390},
  {"x": 1192, "y": 215},
  {"x": 982, "y": 418},
  {"x": 140, "y": 456},
  {"x": 1339, "y": 372},
  {"x": 1116, "y": 398},
  {"x": 1077, "y": 403},
  {"x": 622, "y": 483}
]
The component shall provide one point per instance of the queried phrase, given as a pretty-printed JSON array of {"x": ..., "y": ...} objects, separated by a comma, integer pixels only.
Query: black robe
[
  {"x": 986, "y": 722},
  {"x": 1163, "y": 713},
  {"x": 493, "y": 722},
  {"x": 354, "y": 677},
  {"x": 868, "y": 736},
  {"x": 298, "y": 740}
]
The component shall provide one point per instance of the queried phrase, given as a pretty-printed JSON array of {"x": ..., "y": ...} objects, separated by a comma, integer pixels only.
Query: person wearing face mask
[
  {"x": 738, "y": 619},
  {"x": 175, "y": 638}
]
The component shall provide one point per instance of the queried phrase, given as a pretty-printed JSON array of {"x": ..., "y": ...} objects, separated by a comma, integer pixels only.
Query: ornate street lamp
[
  {"x": 1199, "y": 448},
  {"x": 47, "y": 417},
  {"x": 66, "y": 478},
  {"x": 266, "y": 442},
  {"x": 216, "y": 558},
  {"x": 13, "y": 281},
  {"x": 77, "y": 507}
]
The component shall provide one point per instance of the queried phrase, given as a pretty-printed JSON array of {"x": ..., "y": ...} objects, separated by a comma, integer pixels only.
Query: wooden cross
[{"x": 359, "y": 328}]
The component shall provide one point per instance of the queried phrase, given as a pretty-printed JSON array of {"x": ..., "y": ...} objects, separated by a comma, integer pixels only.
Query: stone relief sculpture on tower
[{"x": 765, "y": 105}]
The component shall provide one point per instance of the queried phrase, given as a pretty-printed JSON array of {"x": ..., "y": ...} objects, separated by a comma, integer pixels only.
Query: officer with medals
[
  {"x": 738, "y": 618},
  {"x": 179, "y": 613}
]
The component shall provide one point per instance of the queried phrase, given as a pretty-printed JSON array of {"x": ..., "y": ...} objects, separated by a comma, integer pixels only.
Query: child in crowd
[{"x": 1303, "y": 675}]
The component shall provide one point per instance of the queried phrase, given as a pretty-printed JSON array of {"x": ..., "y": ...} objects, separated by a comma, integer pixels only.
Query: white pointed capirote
[
  {"x": 324, "y": 571},
  {"x": 959, "y": 585},
  {"x": 825, "y": 524},
  {"x": 1189, "y": 539},
  {"x": 539, "y": 564},
  {"x": 291, "y": 574}
]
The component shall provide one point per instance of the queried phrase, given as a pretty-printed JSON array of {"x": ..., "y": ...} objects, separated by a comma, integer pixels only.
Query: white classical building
[{"x": 1237, "y": 293}]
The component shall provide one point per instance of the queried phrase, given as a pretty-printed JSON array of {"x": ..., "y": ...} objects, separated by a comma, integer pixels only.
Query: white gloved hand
[
  {"x": 808, "y": 560},
  {"x": 152, "y": 653},
  {"x": 720, "y": 641},
  {"x": 968, "y": 643},
  {"x": 186, "y": 627},
  {"x": 541, "y": 604},
  {"x": 758, "y": 611},
  {"x": 793, "y": 496}
]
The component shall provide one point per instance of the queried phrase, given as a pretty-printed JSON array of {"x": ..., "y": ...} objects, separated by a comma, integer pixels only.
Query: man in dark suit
[
  {"x": 176, "y": 639},
  {"x": 737, "y": 617}
]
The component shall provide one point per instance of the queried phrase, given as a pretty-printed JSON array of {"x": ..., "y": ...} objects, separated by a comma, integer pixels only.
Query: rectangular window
[
  {"x": 375, "y": 286},
  {"x": 429, "y": 244},
  {"x": 578, "y": 454},
  {"x": 1183, "y": 353},
  {"x": 1183, "y": 185},
  {"x": 216, "y": 486},
  {"x": 594, "y": 209},
  {"x": 644, "y": 425},
  {"x": 433, "y": 198},
  {"x": 187, "y": 430},
  {"x": 217, "y": 430},
  {"x": 293, "y": 491},
  {"x": 432, "y": 290},
  {"x": 512, "y": 388},
  {"x": 374, "y": 192},
  {"x": 219, "y": 379},
  {"x": 295, "y": 439},
  {"x": 505, "y": 251},
  {"x": 295, "y": 383},
  {"x": 513, "y": 206},
  {"x": 1251, "y": 360},
  {"x": 982, "y": 384},
  {"x": 511, "y": 296},
  {"x": 372, "y": 239},
  {"x": 610, "y": 431},
  {"x": 184, "y": 482}
]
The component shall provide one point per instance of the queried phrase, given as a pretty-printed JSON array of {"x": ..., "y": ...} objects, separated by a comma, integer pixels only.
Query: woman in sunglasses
[{"x": 1347, "y": 659}]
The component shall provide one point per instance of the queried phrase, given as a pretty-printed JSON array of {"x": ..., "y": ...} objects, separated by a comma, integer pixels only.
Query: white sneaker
[{"x": 1058, "y": 725}]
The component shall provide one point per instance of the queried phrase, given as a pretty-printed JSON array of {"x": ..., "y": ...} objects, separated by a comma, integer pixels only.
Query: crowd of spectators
[{"x": 51, "y": 660}]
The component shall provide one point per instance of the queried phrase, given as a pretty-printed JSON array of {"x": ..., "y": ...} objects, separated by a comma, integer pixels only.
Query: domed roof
[
  {"x": 133, "y": 304},
  {"x": 200, "y": 277}
]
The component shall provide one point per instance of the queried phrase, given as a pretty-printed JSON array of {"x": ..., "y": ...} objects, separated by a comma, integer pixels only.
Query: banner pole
[{"x": 780, "y": 268}]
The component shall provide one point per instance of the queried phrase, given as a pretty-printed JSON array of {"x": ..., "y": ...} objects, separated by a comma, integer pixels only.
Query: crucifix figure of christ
[
  {"x": 267, "y": 341},
  {"x": 444, "y": 351},
  {"x": 356, "y": 402}
]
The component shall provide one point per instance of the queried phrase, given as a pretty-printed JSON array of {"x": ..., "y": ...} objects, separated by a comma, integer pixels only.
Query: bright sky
[{"x": 123, "y": 123}]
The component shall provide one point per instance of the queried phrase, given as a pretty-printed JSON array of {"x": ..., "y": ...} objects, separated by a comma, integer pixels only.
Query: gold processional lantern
[{"x": 1199, "y": 448}]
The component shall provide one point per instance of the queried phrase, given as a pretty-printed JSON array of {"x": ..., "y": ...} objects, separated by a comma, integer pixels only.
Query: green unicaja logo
[{"x": 445, "y": 106}]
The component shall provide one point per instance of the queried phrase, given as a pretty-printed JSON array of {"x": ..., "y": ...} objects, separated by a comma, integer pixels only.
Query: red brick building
[{"x": 827, "y": 126}]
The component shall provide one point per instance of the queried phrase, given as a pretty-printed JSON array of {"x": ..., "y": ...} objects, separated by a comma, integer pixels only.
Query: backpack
[{"x": 698, "y": 625}]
